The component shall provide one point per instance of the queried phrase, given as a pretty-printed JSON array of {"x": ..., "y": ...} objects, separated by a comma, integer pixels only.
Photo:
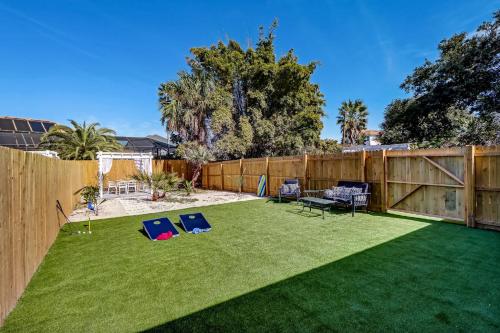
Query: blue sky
[{"x": 103, "y": 60}]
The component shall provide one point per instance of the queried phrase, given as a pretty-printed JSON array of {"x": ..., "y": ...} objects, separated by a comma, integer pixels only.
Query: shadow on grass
[{"x": 438, "y": 278}]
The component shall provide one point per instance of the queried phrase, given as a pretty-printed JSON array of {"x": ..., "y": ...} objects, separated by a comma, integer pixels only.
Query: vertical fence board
[{"x": 487, "y": 186}]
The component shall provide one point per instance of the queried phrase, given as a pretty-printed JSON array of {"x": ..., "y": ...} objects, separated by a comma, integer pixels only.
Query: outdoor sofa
[{"x": 349, "y": 194}]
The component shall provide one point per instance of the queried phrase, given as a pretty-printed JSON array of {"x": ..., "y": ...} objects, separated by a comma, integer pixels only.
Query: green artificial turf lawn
[{"x": 265, "y": 266}]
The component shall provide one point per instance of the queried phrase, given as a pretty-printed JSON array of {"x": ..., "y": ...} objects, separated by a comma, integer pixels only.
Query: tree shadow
[{"x": 437, "y": 278}]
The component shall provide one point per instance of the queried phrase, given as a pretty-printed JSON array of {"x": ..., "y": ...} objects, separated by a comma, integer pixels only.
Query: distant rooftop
[
  {"x": 26, "y": 133},
  {"x": 22, "y": 133}
]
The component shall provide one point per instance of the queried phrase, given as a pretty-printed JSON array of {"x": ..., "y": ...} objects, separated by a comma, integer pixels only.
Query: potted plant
[{"x": 89, "y": 195}]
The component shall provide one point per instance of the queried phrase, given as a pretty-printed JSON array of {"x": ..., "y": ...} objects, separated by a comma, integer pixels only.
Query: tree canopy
[
  {"x": 455, "y": 99},
  {"x": 241, "y": 102}
]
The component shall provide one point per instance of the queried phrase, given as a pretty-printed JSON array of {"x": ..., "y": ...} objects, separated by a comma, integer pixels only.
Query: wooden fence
[
  {"x": 124, "y": 169},
  {"x": 461, "y": 184},
  {"x": 30, "y": 184}
]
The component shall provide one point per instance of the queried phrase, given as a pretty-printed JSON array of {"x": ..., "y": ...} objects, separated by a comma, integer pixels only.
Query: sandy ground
[{"x": 140, "y": 203}]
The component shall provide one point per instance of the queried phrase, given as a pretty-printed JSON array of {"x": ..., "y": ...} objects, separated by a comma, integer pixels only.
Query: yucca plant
[{"x": 188, "y": 187}]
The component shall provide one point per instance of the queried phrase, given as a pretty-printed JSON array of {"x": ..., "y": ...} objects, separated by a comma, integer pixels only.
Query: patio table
[{"x": 318, "y": 203}]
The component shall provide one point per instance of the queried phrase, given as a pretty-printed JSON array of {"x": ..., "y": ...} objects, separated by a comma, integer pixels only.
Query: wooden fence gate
[{"x": 428, "y": 182}]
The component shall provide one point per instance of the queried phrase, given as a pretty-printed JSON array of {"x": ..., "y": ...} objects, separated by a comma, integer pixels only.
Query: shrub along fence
[{"x": 460, "y": 184}]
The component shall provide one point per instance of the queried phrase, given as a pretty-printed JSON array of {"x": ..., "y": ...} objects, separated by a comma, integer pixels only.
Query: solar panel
[
  {"x": 20, "y": 140},
  {"x": 22, "y": 125},
  {"x": 27, "y": 139},
  {"x": 192, "y": 221},
  {"x": 48, "y": 126},
  {"x": 8, "y": 139},
  {"x": 33, "y": 138},
  {"x": 6, "y": 125},
  {"x": 36, "y": 126}
]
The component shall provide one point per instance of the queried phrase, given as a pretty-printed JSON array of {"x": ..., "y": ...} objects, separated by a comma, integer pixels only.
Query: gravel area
[{"x": 141, "y": 203}]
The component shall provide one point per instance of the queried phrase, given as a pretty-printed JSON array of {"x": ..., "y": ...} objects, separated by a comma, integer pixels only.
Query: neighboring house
[
  {"x": 372, "y": 137},
  {"x": 397, "y": 146},
  {"x": 25, "y": 134},
  {"x": 22, "y": 133},
  {"x": 155, "y": 144}
]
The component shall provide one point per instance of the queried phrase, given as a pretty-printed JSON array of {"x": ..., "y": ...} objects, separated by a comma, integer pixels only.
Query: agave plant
[{"x": 164, "y": 181}]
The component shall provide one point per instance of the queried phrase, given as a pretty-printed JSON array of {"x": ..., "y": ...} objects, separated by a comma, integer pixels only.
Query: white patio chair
[
  {"x": 132, "y": 184},
  {"x": 122, "y": 185},
  {"x": 112, "y": 186}
]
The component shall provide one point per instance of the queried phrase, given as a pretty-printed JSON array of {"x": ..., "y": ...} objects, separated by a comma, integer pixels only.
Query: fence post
[
  {"x": 268, "y": 180},
  {"x": 469, "y": 186},
  {"x": 221, "y": 177},
  {"x": 240, "y": 178},
  {"x": 362, "y": 166},
  {"x": 383, "y": 183},
  {"x": 386, "y": 184},
  {"x": 305, "y": 172}
]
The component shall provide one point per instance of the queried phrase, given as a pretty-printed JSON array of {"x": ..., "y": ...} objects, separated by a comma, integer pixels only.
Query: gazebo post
[{"x": 101, "y": 191}]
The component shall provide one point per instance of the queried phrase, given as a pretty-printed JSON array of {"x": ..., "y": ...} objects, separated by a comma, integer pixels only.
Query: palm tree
[
  {"x": 81, "y": 142},
  {"x": 197, "y": 155},
  {"x": 186, "y": 103},
  {"x": 352, "y": 118}
]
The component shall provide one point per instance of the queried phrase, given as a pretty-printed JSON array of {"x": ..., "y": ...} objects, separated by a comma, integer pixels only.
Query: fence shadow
[{"x": 434, "y": 279}]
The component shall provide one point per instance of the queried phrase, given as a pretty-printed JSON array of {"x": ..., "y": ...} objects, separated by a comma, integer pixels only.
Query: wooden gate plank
[
  {"x": 446, "y": 171},
  {"x": 406, "y": 195}
]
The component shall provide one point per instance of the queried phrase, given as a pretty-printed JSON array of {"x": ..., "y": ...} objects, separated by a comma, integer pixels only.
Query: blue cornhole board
[
  {"x": 196, "y": 220},
  {"x": 158, "y": 226}
]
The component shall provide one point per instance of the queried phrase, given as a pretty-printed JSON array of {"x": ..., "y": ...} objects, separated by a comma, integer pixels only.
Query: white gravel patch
[{"x": 141, "y": 203}]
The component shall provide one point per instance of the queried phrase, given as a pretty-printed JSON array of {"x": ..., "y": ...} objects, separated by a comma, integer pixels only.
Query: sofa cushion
[
  {"x": 291, "y": 181},
  {"x": 289, "y": 188},
  {"x": 351, "y": 184}
]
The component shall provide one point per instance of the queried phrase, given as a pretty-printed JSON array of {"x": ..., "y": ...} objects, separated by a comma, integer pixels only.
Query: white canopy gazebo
[{"x": 143, "y": 162}]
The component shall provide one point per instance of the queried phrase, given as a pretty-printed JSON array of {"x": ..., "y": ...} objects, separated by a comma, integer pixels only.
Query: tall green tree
[
  {"x": 455, "y": 99},
  {"x": 187, "y": 103},
  {"x": 352, "y": 118},
  {"x": 262, "y": 104},
  {"x": 81, "y": 141}
]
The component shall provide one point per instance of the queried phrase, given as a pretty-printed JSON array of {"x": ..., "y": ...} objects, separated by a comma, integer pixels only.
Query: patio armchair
[
  {"x": 122, "y": 185},
  {"x": 112, "y": 186},
  {"x": 290, "y": 188},
  {"x": 349, "y": 194},
  {"x": 131, "y": 185}
]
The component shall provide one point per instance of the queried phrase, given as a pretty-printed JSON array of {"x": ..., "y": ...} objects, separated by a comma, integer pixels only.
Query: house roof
[
  {"x": 22, "y": 133},
  {"x": 372, "y": 132}
]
